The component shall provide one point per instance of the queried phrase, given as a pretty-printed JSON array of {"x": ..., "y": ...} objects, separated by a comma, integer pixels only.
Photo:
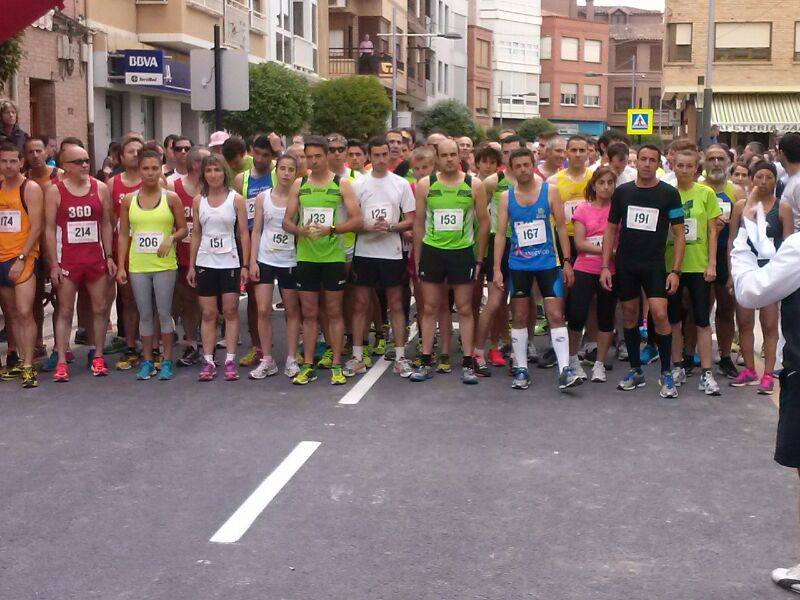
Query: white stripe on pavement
[{"x": 240, "y": 521}]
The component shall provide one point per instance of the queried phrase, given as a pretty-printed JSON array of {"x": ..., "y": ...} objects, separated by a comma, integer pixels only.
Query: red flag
[{"x": 18, "y": 14}]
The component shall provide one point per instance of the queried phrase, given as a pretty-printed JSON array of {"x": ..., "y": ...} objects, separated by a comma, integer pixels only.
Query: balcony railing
[
  {"x": 346, "y": 61},
  {"x": 210, "y": 6},
  {"x": 258, "y": 21}
]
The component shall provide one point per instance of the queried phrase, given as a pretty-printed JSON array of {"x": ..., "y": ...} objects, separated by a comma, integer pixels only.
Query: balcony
[
  {"x": 345, "y": 6},
  {"x": 258, "y": 21},
  {"x": 214, "y": 7},
  {"x": 345, "y": 61}
]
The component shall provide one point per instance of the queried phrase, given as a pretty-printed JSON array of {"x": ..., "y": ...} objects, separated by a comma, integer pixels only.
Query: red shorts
[{"x": 79, "y": 274}]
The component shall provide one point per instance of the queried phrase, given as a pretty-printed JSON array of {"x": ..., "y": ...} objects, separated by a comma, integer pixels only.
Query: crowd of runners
[{"x": 615, "y": 251}]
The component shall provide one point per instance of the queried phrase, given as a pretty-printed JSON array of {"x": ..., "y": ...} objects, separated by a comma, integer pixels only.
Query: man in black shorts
[{"x": 642, "y": 213}]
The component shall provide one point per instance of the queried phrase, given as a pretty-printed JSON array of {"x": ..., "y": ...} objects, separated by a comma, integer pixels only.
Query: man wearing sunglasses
[{"x": 180, "y": 150}]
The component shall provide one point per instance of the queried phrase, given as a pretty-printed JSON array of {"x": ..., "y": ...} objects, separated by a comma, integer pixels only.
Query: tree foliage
[
  {"x": 355, "y": 106},
  {"x": 10, "y": 58},
  {"x": 531, "y": 129},
  {"x": 451, "y": 116},
  {"x": 279, "y": 102}
]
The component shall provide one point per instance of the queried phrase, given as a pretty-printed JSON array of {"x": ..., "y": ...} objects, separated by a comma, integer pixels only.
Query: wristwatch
[
  {"x": 21, "y": 257},
  {"x": 676, "y": 271},
  {"x": 333, "y": 229}
]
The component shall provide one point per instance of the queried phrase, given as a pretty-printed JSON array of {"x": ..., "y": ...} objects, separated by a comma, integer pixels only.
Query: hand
[
  {"x": 244, "y": 276},
  {"x": 478, "y": 271},
  {"x": 606, "y": 280},
  {"x": 122, "y": 276},
  {"x": 16, "y": 269},
  {"x": 255, "y": 272},
  {"x": 710, "y": 273},
  {"x": 568, "y": 274},
  {"x": 729, "y": 285},
  {"x": 315, "y": 232},
  {"x": 191, "y": 277},
  {"x": 55, "y": 276},
  {"x": 497, "y": 280},
  {"x": 112, "y": 267},
  {"x": 408, "y": 236},
  {"x": 673, "y": 281},
  {"x": 165, "y": 247},
  {"x": 381, "y": 225},
  {"x": 303, "y": 231}
]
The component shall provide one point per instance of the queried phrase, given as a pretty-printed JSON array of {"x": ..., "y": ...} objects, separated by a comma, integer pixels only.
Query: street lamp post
[{"x": 708, "y": 96}]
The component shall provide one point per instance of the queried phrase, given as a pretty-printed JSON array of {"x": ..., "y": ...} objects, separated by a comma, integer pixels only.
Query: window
[
  {"x": 654, "y": 96},
  {"x": 439, "y": 77},
  {"x": 569, "y": 94},
  {"x": 569, "y": 48},
  {"x": 623, "y": 57},
  {"x": 797, "y": 41},
  {"x": 482, "y": 101},
  {"x": 482, "y": 58},
  {"x": 655, "y": 57},
  {"x": 297, "y": 19},
  {"x": 547, "y": 47},
  {"x": 279, "y": 47},
  {"x": 446, "y": 24},
  {"x": 591, "y": 95},
  {"x": 446, "y": 77},
  {"x": 591, "y": 50},
  {"x": 544, "y": 92},
  {"x": 313, "y": 24},
  {"x": 622, "y": 99},
  {"x": 619, "y": 18},
  {"x": 742, "y": 41},
  {"x": 679, "y": 42}
]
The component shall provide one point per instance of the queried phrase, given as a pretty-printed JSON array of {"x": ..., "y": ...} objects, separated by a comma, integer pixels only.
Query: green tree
[
  {"x": 279, "y": 102},
  {"x": 451, "y": 116},
  {"x": 531, "y": 129},
  {"x": 10, "y": 58},
  {"x": 355, "y": 106},
  {"x": 493, "y": 133}
]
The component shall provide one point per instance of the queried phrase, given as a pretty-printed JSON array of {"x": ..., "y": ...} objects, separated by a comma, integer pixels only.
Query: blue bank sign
[{"x": 144, "y": 67}]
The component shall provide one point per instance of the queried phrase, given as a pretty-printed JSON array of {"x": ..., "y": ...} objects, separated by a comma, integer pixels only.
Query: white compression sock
[
  {"x": 519, "y": 343},
  {"x": 560, "y": 339},
  {"x": 358, "y": 352}
]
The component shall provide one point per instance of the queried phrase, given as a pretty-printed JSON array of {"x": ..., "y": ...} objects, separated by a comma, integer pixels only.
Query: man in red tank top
[
  {"x": 185, "y": 305},
  {"x": 126, "y": 182},
  {"x": 78, "y": 231}
]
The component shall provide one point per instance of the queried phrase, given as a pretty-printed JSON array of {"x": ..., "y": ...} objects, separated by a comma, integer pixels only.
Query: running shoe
[
  {"x": 481, "y": 368},
  {"x": 541, "y": 327},
  {"x": 622, "y": 351},
  {"x": 13, "y": 373},
  {"x": 128, "y": 360},
  {"x": 745, "y": 377},
  {"x": 390, "y": 353},
  {"x": 81, "y": 339},
  {"x": 90, "y": 357},
  {"x": 146, "y": 370},
  {"x": 589, "y": 357},
  {"x": 367, "y": 356},
  {"x": 50, "y": 363},
  {"x": 306, "y": 375},
  {"x": 766, "y": 385},
  {"x": 668, "y": 389},
  {"x": 327, "y": 359},
  {"x": 522, "y": 380},
  {"x": 443, "y": 364},
  {"x": 190, "y": 357},
  {"x": 548, "y": 360},
  {"x": 533, "y": 354},
  {"x": 643, "y": 333},
  {"x": 39, "y": 353},
  {"x": 165, "y": 373},
  {"x": 231, "y": 373},
  {"x": 678, "y": 376},
  {"x": 208, "y": 372},
  {"x": 422, "y": 373},
  {"x": 252, "y": 357},
  {"x": 291, "y": 369},
  {"x": 380, "y": 347},
  {"x": 598, "y": 372},
  {"x": 403, "y": 368},
  {"x": 495, "y": 358},
  {"x": 708, "y": 384},
  {"x": 114, "y": 346},
  {"x": 337, "y": 375},
  {"x": 468, "y": 376},
  {"x": 568, "y": 379},
  {"x": 29, "y": 378},
  {"x": 266, "y": 368},
  {"x": 61, "y": 374},
  {"x": 99, "y": 368},
  {"x": 649, "y": 355},
  {"x": 726, "y": 367},
  {"x": 634, "y": 379},
  {"x": 354, "y": 367},
  {"x": 577, "y": 368},
  {"x": 157, "y": 359},
  {"x": 788, "y": 579}
]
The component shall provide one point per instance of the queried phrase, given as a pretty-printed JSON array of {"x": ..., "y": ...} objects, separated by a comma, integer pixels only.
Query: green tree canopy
[
  {"x": 531, "y": 129},
  {"x": 451, "y": 116},
  {"x": 10, "y": 58},
  {"x": 279, "y": 102},
  {"x": 356, "y": 107}
]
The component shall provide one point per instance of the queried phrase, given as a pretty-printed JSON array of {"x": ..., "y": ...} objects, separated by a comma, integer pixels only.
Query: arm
[
  {"x": 181, "y": 229},
  {"x": 194, "y": 244},
  {"x": 733, "y": 229},
  {"x": 52, "y": 201},
  {"x": 557, "y": 210},
  {"x": 107, "y": 227},
  {"x": 714, "y": 226},
  {"x": 500, "y": 240},
  {"x": 421, "y": 197},
  {"x": 292, "y": 212},
  {"x": 673, "y": 279},
  {"x": 609, "y": 235},
  {"x": 244, "y": 236},
  {"x": 34, "y": 205},
  {"x": 786, "y": 218},
  {"x": 581, "y": 245},
  {"x": 482, "y": 213},
  {"x": 757, "y": 287},
  {"x": 124, "y": 239},
  {"x": 407, "y": 200},
  {"x": 255, "y": 237},
  {"x": 238, "y": 183}
]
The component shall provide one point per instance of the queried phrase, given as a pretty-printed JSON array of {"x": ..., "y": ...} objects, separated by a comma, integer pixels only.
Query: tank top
[
  {"x": 449, "y": 215},
  {"x": 118, "y": 191},
  {"x": 774, "y": 230},
  {"x": 182, "y": 247},
  {"x": 79, "y": 227},
  {"x": 502, "y": 186},
  {"x": 217, "y": 248},
  {"x": 149, "y": 228},
  {"x": 726, "y": 199},
  {"x": 571, "y": 194},
  {"x": 321, "y": 206},
  {"x": 532, "y": 238},
  {"x": 14, "y": 223},
  {"x": 51, "y": 177},
  {"x": 277, "y": 246},
  {"x": 252, "y": 187},
  {"x": 349, "y": 238}
]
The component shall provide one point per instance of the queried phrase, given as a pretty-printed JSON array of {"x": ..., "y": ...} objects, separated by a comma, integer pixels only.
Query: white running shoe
[
  {"x": 575, "y": 365},
  {"x": 678, "y": 376},
  {"x": 708, "y": 384},
  {"x": 402, "y": 367},
  {"x": 788, "y": 579},
  {"x": 265, "y": 368},
  {"x": 292, "y": 369},
  {"x": 599, "y": 372}
]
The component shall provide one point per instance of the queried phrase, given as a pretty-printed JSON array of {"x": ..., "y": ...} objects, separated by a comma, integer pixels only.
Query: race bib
[
  {"x": 10, "y": 221},
  {"x": 219, "y": 243},
  {"x": 377, "y": 212},
  {"x": 280, "y": 240},
  {"x": 725, "y": 207},
  {"x": 531, "y": 234},
  {"x": 82, "y": 232},
  {"x": 189, "y": 230},
  {"x": 319, "y": 216},
  {"x": 595, "y": 240},
  {"x": 690, "y": 229},
  {"x": 447, "y": 219},
  {"x": 642, "y": 218},
  {"x": 569, "y": 208},
  {"x": 251, "y": 208},
  {"x": 148, "y": 242}
]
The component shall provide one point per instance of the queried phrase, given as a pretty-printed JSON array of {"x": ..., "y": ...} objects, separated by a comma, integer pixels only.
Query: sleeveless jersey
[
  {"x": 320, "y": 206},
  {"x": 182, "y": 247},
  {"x": 502, "y": 186},
  {"x": 79, "y": 227},
  {"x": 218, "y": 248},
  {"x": 252, "y": 187},
  {"x": 571, "y": 195},
  {"x": 118, "y": 191},
  {"x": 349, "y": 238},
  {"x": 532, "y": 238},
  {"x": 14, "y": 223},
  {"x": 51, "y": 177},
  {"x": 450, "y": 215},
  {"x": 149, "y": 228},
  {"x": 726, "y": 199},
  {"x": 277, "y": 246}
]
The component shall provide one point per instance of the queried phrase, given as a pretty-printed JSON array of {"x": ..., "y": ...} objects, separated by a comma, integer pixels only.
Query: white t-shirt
[
  {"x": 670, "y": 178},
  {"x": 791, "y": 195},
  {"x": 388, "y": 196},
  {"x": 628, "y": 174}
]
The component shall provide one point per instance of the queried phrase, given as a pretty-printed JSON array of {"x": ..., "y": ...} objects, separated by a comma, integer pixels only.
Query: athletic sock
[
  {"x": 291, "y": 360},
  {"x": 468, "y": 362},
  {"x": 479, "y": 354},
  {"x": 632, "y": 341},
  {"x": 426, "y": 359},
  {"x": 358, "y": 353},
  {"x": 652, "y": 335},
  {"x": 665, "y": 351},
  {"x": 560, "y": 339},
  {"x": 209, "y": 358},
  {"x": 399, "y": 353},
  {"x": 230, "y": 357},
  {"x": 519, "y": 344}
]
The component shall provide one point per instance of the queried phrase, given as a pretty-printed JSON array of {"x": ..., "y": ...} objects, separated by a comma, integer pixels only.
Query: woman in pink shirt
[{"x": 590, "y": 219}]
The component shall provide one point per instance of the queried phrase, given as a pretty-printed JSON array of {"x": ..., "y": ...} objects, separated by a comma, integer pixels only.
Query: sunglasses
[
  {"x": 181, "y": 148},
  {"x": 336, "y": 149},
  {"x": 79, "y": 161}
]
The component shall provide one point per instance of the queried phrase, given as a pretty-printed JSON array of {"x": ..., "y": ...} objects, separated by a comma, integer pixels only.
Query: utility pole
[
  {"x": 708, "y": 96},
  {"x": 217, "y": 80},
  {"x": 633, "y": 81},
  {"x": 394, "y": 67}
]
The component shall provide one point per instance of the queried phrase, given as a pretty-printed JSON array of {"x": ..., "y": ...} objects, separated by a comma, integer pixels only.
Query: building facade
[
  {"x": 755, "y": 69},
  {"x": 479, "y": 68},
  {"x": 573, "y": 88}
]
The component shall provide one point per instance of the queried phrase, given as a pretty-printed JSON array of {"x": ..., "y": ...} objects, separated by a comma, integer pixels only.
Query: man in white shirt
[
  {"x": 618, "y": 162},
  {"x": 789, "y": 155},
  {"x": 388, "y": 208}
]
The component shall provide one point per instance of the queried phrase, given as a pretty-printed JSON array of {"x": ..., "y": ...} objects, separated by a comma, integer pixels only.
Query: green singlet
[
  {"x": 494, "y": 205},
  {"x": 450, "y": 215},
  {"x": 320, "y": 206}
]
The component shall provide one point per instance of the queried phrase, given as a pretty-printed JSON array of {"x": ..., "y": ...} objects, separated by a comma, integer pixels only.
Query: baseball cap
[{"x": 217, "y": 138}]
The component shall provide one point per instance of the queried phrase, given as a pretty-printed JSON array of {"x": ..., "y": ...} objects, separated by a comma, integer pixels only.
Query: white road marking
[{"x": 240, "y": 521}]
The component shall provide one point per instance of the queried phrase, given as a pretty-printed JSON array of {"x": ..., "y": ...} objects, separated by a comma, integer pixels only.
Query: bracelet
[
  {"x": 676, "y": 271},
  {"x": 606, "y": 267}
]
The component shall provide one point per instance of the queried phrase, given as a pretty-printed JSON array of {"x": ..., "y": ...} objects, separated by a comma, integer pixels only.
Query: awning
[
  {"x": 18, "y": 14},
  {"x": 762, "y": 113}
]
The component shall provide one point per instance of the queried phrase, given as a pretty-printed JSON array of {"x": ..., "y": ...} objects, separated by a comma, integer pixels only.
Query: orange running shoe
[
  {"x": 61, "y": 374},
  {"x": 99, "y": 368}
]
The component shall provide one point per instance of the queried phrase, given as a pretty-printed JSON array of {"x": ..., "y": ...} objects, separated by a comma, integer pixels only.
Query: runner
[
  {"x": 487, "y": 161},
  {"x": 571, "y": 182},
  {"x": 555, "y": 152},
  {"x": 151, "y": 220},
  {"x": 618, "y": 162},
  {"x": 387, "y": 209},
  {"x": 699, "y": 268},
  {"x": 773, "y": 221},
  {"x": 449, "y": 205},
  {"x": 181, "y": 146},
  {"x": 321, "y": 208},
  {"x": 356, "y": 157},
  {"x": 219, "y": 215},
  {"x": 530, "y": 208},
  {"x": 273, "y": 258},
  {"x": 465, "y": 146},
  {"x": 641, "y": 214},
  {"x": 590, "y": 220},
  {"x": 21, "y": 221},
  {"x": 79, "y": 234},
  {"x": 740, "y": 175}
]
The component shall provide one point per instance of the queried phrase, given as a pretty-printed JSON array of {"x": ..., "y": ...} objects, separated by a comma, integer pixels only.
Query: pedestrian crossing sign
[{"x": 640, "y": 121}]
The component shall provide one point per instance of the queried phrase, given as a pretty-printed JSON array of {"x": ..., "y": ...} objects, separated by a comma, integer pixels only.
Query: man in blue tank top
[{"x": 527, "y": 208}]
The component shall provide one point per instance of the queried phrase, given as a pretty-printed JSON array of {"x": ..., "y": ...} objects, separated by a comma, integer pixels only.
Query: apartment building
[
  {"x": 448, "y": 63},
  {"x": 479, "y": 68},
  {"x": 573, "y": 90},
  {"x": 755, "y": 68}
]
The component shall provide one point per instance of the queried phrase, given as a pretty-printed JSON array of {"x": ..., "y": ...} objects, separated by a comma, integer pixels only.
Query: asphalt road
[{"x": 112, "y": 489}]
